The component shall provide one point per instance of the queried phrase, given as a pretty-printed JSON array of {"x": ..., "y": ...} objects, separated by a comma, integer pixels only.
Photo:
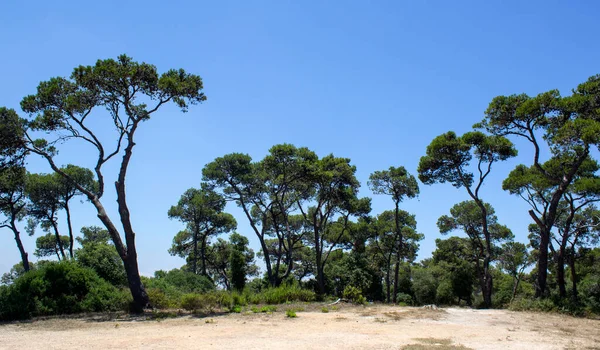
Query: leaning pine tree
[{"x": 131, "y": 93}]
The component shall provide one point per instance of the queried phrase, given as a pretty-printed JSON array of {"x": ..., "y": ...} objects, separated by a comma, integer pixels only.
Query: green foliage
[
  {"x": 590, "y": 293},
  {"x": 324, "y": 310},
  {"x": 543, "y": 305},
  {"x": 284, "y": 294},
  {"x": 236, "y": 309},
  {"x": 12, "y": 138},
  {"x": 159, "y": 299},
  {"x": 15, "y": 272},
  {"x": 101, "y": 256},
  {"x": 47, "y": 245},
  {"x": 404, "y": 299},
  {"x": 167, "y": 288},
  {"x": 184, "y": 281},
  {"x": 444, "y": 293},
  {"x": 59, "y": 288},
  {"x": 424, "y": 286},
  {"x": 354, "y": 295},
  {"x": 237, "y": 261},
  {"x": 268, "y": 309},
  {"x": 192, "y": 302},
  {"x": 291, "y": 313},
  {"x": 395, "y": 182},
  {"x": 202, "y": 212}
]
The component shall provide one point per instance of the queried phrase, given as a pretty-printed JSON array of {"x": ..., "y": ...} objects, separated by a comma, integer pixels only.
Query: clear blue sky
[{"x": 371, "y": 81}]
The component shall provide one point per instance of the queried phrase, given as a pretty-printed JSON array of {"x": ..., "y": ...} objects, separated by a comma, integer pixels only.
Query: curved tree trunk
[
  {"x": 24, "y": 256},
  {"x": 138, "y": 292},
  {"x": 71, "y": 238},
  {"x": 515, "y": 288},
  {"x": 58, "y": 240}
]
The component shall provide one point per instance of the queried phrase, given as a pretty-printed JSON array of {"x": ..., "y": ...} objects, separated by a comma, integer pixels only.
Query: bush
[
  {"x": 236, "y": 309},
  {"x": 543, "y": 305},
  {"x": 590, "y": 294},
  {"x": 238, "y": 299},
  {"x": 444, "y": 293},
  {"x": 192, "y": 302},
  {"x": 354, "y": 295},
  {"x": 159, "y": 299},
  {"x": 404, "y": 299},
  {"x": 284, "y": 294},
  {"x": 290, "y": 313},
  {"x": 424, "y": 286},
  {"x": 59, "y": 288},
  {"x": 268, "y": 308}
]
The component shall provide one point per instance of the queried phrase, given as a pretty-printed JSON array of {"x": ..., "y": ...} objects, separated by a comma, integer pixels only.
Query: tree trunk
[
  {"x": 548, "y": 223},
  {"x": 399, "y": 251},
  {"x": 71, "y": 238},
  {"x": 24, "y": 256},
  {"x": 387, "y": 282},
  {"x": 396, "y": 275},
  {"x": 515, "y": 288},
  {"x": 202, "y": 255},
  {"x": 58, "y": 240},
  {"x": 138, "y": 292},
  {"x": 320, "y": 274},
  {"x": 542, "y": 264},
  {"x": 574, "y": 295},
  {"x": 487, "y": 285},
  {"x": 560, "y": 273},
  {"x": 195, "y": 249}
]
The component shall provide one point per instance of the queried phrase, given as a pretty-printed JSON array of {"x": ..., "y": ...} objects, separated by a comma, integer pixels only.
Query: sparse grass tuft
[
  {"x": 434, "y": 343},
  {"x": 268, "y": 309}
]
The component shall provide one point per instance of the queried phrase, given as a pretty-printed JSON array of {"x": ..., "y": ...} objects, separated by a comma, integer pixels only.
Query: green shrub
[
  {"x": 404, "y": 299},
  {"x": 354, "y": 295},
  {"x": 159, "y": 299},
  {"x": 444, "y": 294},
  {"x": 192, "y": 302},
  {"x": 290, "y": 313},
  {"x": 543, "y": 305},
  {"x": 237, "y": 309},
  {"x": 324, "y": 310},
  {"x": 284, "y": 294},
  {"x": 268, "y": 308},
  {"x": 238, "y": 299},
  {"x": 59, "y": 288},
  {"x": 424, "y": 286}
]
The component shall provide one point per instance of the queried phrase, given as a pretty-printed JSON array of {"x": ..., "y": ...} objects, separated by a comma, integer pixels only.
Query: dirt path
[{"x": 374, "y": 327}]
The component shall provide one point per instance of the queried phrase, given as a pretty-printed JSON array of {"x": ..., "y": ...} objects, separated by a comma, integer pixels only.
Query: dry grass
[
  {"x": 434, "y": 343},
  {"x": 418, "y": 314}
]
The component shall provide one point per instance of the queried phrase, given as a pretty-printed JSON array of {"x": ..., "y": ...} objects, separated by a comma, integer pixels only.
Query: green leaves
[
  {"x": 448, "y": 157},
  {"x": 467, "y": 216},
  {"x": 12, "y": 138},
  {"x": 395, "y": 182}
]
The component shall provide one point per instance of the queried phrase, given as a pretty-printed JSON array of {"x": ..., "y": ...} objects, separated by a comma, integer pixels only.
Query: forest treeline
[{"x": 317, "y": 237}]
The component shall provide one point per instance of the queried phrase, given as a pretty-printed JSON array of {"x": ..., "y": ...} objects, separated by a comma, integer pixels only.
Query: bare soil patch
[{"x": 347, "y": 327}]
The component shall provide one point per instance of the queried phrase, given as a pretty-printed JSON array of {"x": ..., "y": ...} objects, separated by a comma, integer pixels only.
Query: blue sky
[{"x": 371, "y": 81}]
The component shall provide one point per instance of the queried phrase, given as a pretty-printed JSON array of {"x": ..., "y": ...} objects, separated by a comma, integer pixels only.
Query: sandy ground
[{"x": 349, "y": 327}]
